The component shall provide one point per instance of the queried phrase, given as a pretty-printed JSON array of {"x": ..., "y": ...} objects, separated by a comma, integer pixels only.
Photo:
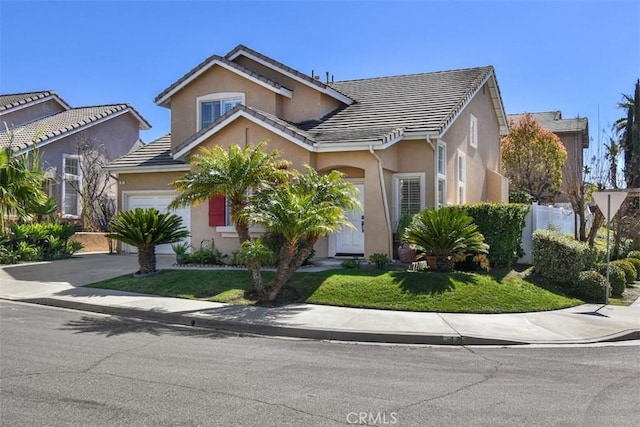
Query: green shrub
[
  {"x": 37, "y": 242},
  {"x": 591, "y": 285},
  {"x": 617, "y": 278},
  {"x": 636, "y": 264},
  {"x": 351, "y": 263},
  {"x": 560, "y": 258},
  {"x": 501, "y": 225},
  {"x": 634, "y": 254},
  {"x": 380, "y": 260},
  {"x": 630, "y": 272}
]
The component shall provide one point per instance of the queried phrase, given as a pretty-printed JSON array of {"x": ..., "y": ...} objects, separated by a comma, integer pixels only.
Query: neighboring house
[
  {"x": 43, "y": 121},
  {"x": 574, "y": 135},
  {"x": 407, "y": 142}
]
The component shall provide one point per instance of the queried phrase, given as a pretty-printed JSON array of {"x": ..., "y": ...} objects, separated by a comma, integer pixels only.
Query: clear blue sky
[{"x": 573, "y": 56}]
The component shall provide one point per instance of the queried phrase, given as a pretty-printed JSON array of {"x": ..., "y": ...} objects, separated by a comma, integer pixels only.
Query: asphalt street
[{"x": 64, "y": 367}]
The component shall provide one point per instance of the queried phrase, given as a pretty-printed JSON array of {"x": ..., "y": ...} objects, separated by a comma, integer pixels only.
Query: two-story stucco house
[
  {"x": 45, "y": 122},
  {"x": 574, "y": 135},
  {"x": 407, "y": 142}
]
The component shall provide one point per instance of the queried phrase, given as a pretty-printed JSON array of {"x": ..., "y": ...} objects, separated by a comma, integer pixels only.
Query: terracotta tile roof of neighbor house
[
  {"x": 155, "y": 154},
  {"x": 13, "y": 100},
  {"x": 57, "y": 125},
  {"x": 553, "y": 122}
]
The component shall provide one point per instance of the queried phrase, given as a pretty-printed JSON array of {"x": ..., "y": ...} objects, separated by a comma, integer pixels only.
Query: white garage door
[{"x": 160, "y": 202}]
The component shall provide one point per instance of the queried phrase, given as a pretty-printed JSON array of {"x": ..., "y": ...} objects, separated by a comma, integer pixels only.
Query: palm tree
[
  {"x": 302, "y": 210},
  {"x": 447, "y": 233},
  {"x": 231, "y": 174},
  {"x": 629, "y": 130},
  {"x": 21, "y": 180},
  {"x": 611, "y": 154},
  {"x": 146, "y": 229}
]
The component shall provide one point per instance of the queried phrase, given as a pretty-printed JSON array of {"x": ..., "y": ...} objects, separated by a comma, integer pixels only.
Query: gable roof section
[
  {"x": 48, "y": 129},
  {"x": 423, "y": 103},
  {"x": 164, "y": 97},
  {"x": 155, "y": 156},
  {"x": 553, "y": 122},
  {"x": 288, "y": 71},
  {"x": 266, "y": 120},
  {"x": 16, "y": 101}
]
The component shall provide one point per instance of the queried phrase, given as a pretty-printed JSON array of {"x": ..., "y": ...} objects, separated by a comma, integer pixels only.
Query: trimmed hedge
[
  {"x": 501, "y": 224},
  {"x": 636, "y": 264},
  {"x": 591, "y": 285},
  {"x": 560, "y": 258},
  {"x": 630, "y": 272},
  {"x": 617, "y": 278}
]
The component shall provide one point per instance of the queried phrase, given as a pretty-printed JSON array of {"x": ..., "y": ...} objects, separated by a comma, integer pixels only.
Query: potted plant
[
  {"x": 181, "y": 249},
  {"x": 406, "y": 254},
  {"x": 447, "y": 234}
]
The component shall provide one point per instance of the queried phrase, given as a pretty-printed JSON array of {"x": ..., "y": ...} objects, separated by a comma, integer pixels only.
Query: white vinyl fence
[{"x": 559, "y": 218}]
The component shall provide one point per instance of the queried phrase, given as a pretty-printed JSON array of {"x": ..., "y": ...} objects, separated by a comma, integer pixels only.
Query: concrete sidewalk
[{"x": 45, "y": 283}]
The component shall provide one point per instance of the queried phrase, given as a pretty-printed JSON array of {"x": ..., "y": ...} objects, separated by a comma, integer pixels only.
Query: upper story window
[
  {"x": 212, "y": 106},
  {"x": 473, "y": 131}
]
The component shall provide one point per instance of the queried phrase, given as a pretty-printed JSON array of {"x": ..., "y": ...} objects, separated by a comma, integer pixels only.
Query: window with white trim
[
  {"x": 71, "y": 184},
  {"x": 210, "y": 107},
  {"x": 462, "y": 172},
  {"x": 409, "y": 193},
  {"x": 441, "y": 167},
  {"x": 473, "y": 131}
]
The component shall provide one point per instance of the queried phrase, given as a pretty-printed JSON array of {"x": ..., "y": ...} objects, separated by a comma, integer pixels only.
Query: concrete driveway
[{"x": 81, "y": 270}]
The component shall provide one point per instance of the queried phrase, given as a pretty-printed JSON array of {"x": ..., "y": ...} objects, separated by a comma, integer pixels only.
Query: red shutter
[{"x": 217, "y": 211}]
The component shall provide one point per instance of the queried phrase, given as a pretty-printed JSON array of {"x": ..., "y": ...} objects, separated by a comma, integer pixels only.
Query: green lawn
[{"x": 495, "y": 292}]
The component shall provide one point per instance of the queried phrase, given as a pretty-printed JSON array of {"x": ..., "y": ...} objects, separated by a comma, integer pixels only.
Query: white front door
[{"x": 350, "y": 241}]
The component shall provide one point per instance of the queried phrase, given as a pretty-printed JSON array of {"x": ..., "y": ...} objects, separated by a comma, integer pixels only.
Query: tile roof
[
  {"x": 411, "y": 103},
  {"x": 242, "y": 48},
  {"x": 155, "y": 154},
  {"x": 209, "y": 62},
  {"x": 9, "y": 101},
  {"x": 30, "y": 134},
  {"x": 553, "y": 122}
]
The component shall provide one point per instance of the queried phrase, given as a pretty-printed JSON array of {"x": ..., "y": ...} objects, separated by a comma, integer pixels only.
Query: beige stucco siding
[
  {"x": 572, "y": 169},
  {"x": 184, "y": 115},
  {"x": 243, "y": 131},
  {"x": 307, "y": 103},
  {"x": 486, "y": 155}
]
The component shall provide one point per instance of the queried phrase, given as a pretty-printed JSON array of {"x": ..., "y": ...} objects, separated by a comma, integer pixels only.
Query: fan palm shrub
[
  {"x": 449, "y": 234},
  {"x": 145, "y": 229}
]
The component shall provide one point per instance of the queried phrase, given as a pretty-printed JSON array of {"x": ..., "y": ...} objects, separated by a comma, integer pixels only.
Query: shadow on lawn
[{"x": 420, "y": 283}]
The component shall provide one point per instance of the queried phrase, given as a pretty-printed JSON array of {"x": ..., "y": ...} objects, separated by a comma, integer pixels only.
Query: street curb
[{"x": 312, "y": 333}]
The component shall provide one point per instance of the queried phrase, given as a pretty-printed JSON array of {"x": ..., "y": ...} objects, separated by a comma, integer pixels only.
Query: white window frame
[
  {"x": 473, "y": 131},
  {"x": 71, "y": 177},
  {"x": 396, "y": 191},
  {"x": 213, "y": 97},
  {"x": 441, "y": 175},
  {"x": 461, "y": 164}
]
